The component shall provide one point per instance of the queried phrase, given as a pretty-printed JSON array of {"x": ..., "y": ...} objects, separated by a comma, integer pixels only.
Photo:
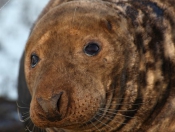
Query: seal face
[{"x": 103, "y": 66}]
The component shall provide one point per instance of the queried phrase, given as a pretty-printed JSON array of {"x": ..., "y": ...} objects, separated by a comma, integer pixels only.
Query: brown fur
[{"x": 129, "y": 86}]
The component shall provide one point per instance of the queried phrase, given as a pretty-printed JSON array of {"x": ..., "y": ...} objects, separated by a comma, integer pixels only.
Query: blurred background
[{"x": 16, "y": 19}]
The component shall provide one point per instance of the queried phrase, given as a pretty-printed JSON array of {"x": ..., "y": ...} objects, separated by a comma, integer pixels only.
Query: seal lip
[{"x": 92, "y": 43}]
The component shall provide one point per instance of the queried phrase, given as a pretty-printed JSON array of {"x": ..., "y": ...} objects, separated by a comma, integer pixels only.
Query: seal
[{"x": 107, "y": 66}]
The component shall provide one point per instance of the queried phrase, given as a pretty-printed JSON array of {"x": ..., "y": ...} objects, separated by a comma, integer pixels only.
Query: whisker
[
  {"x": 29, "y": 124},
  {"x": 20, "y": 119},
  {"x": 118, "y": 114},
  {"x": 25, "y": 113},
  {"x": 74, "y": 14},
  {"x": 21, "y": 106},
  {"x": 25, "y": 103},
  {"x": 125, "y": 104},
  {"x": 39, "y": 129},
  {"x": 28, "y": 129},
  {"x": 95, "y": 126},
  {"x": 103, "y": 123},
  {"x": 108, "y": 117},
  {"x": 26, "y": 119},
  {"x": 32, "y": 128},
  {"x": 139, "y": 98},
  {"x": 26, "y": 116},
  {"x": 117, "y": 110}
]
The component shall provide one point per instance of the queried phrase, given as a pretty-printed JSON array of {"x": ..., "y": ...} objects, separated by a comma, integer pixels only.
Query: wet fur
[{"x": 128, "y": 87}]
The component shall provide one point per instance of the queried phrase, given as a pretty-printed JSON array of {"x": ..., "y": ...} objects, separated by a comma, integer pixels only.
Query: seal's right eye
[{"x": 34, "y": 60}]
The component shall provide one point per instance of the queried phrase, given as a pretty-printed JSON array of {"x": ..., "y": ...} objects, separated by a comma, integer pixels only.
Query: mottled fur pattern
[{"x": 129, "y": 86}]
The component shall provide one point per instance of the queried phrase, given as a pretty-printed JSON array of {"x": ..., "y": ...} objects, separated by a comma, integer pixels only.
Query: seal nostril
[
  {"x": 51, "y": 105},
  {"x": 59, "y": 101}
]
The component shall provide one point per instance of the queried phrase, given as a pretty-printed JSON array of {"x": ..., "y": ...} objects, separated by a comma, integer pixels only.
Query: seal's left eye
[
  {"x": 92, "y": 49},
  {"x": 34, "y": 60}
]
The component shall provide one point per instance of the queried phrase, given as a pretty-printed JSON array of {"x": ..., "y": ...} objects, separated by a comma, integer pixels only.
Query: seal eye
[
  {"x": 91, "y": 49},
  {"x": 34, "y": 60}
]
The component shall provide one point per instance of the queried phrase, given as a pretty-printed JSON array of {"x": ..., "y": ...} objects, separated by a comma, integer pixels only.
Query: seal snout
[{"x": 51, "y": 106}]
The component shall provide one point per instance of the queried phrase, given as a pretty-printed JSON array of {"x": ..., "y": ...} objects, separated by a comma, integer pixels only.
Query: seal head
[{"x": 69, "y": 55}]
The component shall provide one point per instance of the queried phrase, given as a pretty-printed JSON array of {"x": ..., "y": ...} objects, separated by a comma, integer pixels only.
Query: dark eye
[
  {"x": 91, "y": 49},
  {"x": 34, "y": 60}
]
